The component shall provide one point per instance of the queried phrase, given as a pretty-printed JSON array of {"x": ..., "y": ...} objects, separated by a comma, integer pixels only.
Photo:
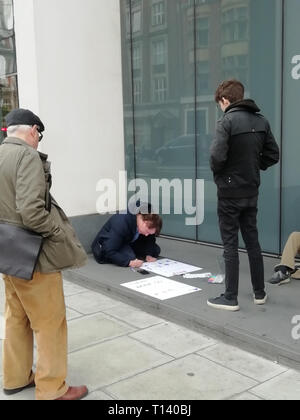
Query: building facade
[
  {"x": 140, "y": 95},
  {"x": 175, "y": 53},
  {"x": 68, "y": 56}
]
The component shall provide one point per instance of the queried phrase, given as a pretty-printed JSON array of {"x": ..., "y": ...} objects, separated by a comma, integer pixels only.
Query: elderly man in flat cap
[{"x": 36, "y": 306}]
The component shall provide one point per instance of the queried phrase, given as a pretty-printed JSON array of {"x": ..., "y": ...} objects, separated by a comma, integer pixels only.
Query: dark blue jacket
[{"x": 118, "y": 232}]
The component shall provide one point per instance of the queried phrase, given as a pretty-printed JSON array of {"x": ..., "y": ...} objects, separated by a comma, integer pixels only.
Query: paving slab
[
  {"x": 242, "y": 362},
  {"x": 118, "y": 359},
  {"x": 97, "y": 396},
  {"x": 173, "y": 339},
  {"x": 71, "y": 314},
  {"x": 90, "y": 330},
  {"x": 72, "y": 289},
  {"x": 246, "y": 396},
  {"x": 265, "y": 330},
  {"x": 88, "y": 302},
  {"x": 283, "y": 387},
  {"x": 112, "y": 361},
  {"x": 133, "y": 316},
  {"x": 190, "y": 378}
]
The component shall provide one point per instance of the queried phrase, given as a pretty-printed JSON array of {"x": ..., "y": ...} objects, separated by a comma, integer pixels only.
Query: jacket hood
[{"x": 246, "y": 104}]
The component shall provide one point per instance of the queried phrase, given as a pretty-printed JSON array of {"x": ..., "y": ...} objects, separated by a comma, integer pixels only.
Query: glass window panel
[
  {"x": 159, "y": 57},
  {"x": 8, "y": 99},
  {"x": 8, "y": 78},
  {"x": 237, "y": 52},
  {"x": 235, "y": 22},
  {"x": 290, "y": 141},
  {"x": 164, "y": 117},
  {"x": 136, "y": 21},
  {"x": 6, "y": 19},
  {"x": 187, "y": 47},
  {"x": 158, "y": 13},
  {"x": 127, "y": 87},
  {"x": 137, "y": 91},
  {"x": 7, "y": 43},
  {"x": 136, "y": 57},
  {"x": 202, "y": 32}
]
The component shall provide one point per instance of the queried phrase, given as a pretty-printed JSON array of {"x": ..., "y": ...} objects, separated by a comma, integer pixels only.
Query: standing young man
[{"x": 243, "y": 146}]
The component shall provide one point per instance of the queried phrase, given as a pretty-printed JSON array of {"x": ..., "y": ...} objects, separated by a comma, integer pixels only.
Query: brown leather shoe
[{"x": 74, "y": 393}]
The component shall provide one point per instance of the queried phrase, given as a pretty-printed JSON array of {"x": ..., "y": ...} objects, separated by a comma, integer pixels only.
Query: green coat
[{"x": 25, "y": 201}]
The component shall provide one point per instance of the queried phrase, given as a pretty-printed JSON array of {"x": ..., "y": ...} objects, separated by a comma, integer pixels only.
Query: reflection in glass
[
  {"x": 158, "y": 13},
  {"x": 8, "y": 79},
  {"x": 164, "y": 100},
  {"x": 180, "y": 51},
  {"x": 291, "y": 143},
  {"x": 7, "y": 49},
  {"x": 8, "y": 99},
  {"x": 129, "y": 65}
]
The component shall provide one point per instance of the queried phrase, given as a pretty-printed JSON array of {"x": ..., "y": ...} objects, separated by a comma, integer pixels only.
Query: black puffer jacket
[{"x": 244, "y": 145}]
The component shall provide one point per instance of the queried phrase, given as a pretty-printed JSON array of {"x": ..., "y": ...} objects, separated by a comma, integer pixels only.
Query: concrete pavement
[
  {"x": 124, "y": 353},
  {"x": 268, "y": 330}
]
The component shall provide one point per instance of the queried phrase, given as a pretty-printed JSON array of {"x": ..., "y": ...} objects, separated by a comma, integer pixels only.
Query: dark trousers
[
  {"x": 100, "y": 257},
  {"x": 235, "y": 214}
]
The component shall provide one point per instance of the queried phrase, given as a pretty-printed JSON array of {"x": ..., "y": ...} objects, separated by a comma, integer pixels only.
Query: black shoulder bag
[{"x": 19, "y": 251}]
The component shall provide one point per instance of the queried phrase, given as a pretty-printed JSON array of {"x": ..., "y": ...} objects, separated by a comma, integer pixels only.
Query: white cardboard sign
[
  {"x": 160, "y": 287},
  {"x": 168, "y": 268}
]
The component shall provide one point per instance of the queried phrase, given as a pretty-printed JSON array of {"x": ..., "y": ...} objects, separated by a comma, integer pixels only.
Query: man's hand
[
  {"x": 136, "y": 263},
  {"x": 150, "y": 259}
]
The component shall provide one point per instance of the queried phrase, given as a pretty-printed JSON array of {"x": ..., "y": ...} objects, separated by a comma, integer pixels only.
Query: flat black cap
[{"x": 22, "y": 116}]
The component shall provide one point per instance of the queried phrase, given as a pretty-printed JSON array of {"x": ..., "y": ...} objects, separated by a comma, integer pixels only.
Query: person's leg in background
[
  {"x": 248, "y": 226},
  {"x": 291, "y": 249},
  {"x": 228, "y": 212},
  {"x": 286, "y": 268}
]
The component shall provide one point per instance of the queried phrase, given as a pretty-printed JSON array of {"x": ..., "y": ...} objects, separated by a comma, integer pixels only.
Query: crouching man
[{"x": 127, "y": 240}]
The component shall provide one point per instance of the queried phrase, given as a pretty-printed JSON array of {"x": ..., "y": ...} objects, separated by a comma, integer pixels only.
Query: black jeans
[{"x": 235, "y": 214}]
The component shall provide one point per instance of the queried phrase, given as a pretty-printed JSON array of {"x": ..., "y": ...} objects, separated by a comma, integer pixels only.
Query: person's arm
[
  {"x": 120, "y": 234},
  {"x": 220, "y": 146},
  {"x": 31, "y": 194},
  {"x": 270, "y": 153},
  {"x": 112, "y": 245},
  {"x": 149, "y": 258},
  {"x": 149, "y": 250},
  {"x": 135, "y": 263}
]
